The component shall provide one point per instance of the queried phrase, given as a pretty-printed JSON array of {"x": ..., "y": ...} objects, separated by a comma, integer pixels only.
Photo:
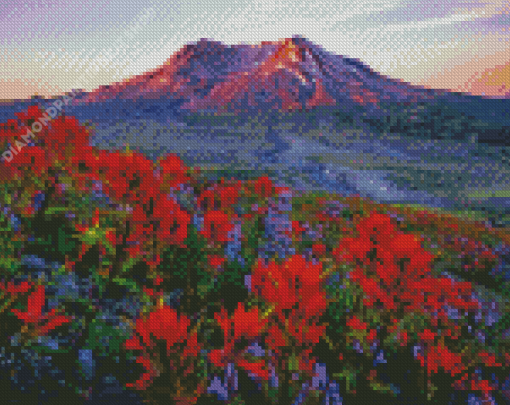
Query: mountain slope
[{"x": 289, "y": 74}]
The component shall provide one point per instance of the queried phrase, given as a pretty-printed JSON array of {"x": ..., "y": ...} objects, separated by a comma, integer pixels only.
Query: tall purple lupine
[
  {"x": 233, "y": 248},
  {"x": 278, "y": 227}
]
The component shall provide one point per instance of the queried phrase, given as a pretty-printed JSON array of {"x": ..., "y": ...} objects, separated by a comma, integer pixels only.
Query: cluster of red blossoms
[
  {"x": 391, "y": 267},
  {"x": 293, "y": 290},
  {"x": 394, "y": 269}
]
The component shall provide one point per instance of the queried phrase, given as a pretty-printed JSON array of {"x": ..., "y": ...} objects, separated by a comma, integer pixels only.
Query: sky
[{"x": 48, "y": 47}]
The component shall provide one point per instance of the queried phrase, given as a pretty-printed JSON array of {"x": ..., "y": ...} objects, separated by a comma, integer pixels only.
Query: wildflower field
[{"x": 139, "y": 281}]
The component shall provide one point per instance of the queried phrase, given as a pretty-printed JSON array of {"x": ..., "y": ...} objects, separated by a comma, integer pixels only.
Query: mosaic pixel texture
[{"x": 254, "y": 202}]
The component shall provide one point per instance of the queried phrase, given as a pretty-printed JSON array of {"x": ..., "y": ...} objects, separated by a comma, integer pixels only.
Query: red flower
[
  {"x": 356, "y": 324},
  {"x": 402, "y": 337},
  {"x": 242, "y": 323},
  {"x": 372, "y": 335},
  {"x": 297, "y": 229},
  {"x": 128, "y": 176},
  {"x": 150, "y": 372},
  {"x": 402, "y": 245},
  {"x": 304, "y": 332},
  {"x": 441, "y": 356},
  {"x": 192, "y": 347},
  {"x": 173, "y": 221},
  {"x": 264, "y": 187},
  {"x": 34, "y": 314},
  {"x": 318, "y": 249},
  {"x": 305, "y": 362},
  {"x": 66, "y": 135},
  {"x": 376, "y": 224},
  {"x": 216, "y": 226},
  {"x": 164, "y": 323},
  {"x": 12, "y": 288},
  {"x": 32, "y": 158},
  {"x": 259, "y": 368},
  {"x": 373, "y": 290},
  {"x": 351, "y": 249},
  {"x": 275, "y": 339},
  {"x": 427, "y": 335},
  {"x": 294, "y": 281},
  {"x": 207, "y": 201},
  {"x": 220, "y": 197},
  {"x": 173, "y": 171},
  {"x": 489, "y": 359},
  {"x": 33, "y": 113},
  {"x": 215, "y": 260},
  {"x": 9, "y": 131}
]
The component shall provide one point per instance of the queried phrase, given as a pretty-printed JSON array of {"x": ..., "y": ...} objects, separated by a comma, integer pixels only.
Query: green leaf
[
  {"x": 11, "y": 265},
  {"x": 127, "y": 283},
  {"x": 129, "y": 264},
  {"x": 377, "y": 385},
  {"x": 105, "y": 338},
  {"x": 53, "y": 210},
  {"x": 349, "y": 374}
]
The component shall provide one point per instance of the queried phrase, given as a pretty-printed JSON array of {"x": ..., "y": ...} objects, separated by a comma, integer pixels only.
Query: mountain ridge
[{"x": 292, "y": 73}]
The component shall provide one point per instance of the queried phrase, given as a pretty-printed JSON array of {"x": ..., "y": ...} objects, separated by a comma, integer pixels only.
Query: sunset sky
[{"x": 52, "y": 46}]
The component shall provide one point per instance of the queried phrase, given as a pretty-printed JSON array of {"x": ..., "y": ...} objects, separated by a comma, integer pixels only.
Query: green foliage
[{"x": 104, "y": 338}]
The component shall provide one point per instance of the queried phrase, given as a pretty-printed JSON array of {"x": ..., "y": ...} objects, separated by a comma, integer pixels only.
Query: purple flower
[
  {"x": 256, "y": 350},
  {"x": 320, "y": 380},
  {"x": 247, "y": 282},
  {"x": 218, "y": 388},
  {"x": 302, "y": 394},
  {"x": 379, "y": 358},
  {"x": 332, "y": 395}
]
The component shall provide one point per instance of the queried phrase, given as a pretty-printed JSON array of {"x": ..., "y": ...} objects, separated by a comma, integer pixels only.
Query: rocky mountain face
[{"x": 289, "y": 74}]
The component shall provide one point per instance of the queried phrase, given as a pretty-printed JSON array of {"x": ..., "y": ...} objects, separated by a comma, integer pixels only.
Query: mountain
[
  {"x": 289, "y": 74},
  {"x": 293, "y": 74}
]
